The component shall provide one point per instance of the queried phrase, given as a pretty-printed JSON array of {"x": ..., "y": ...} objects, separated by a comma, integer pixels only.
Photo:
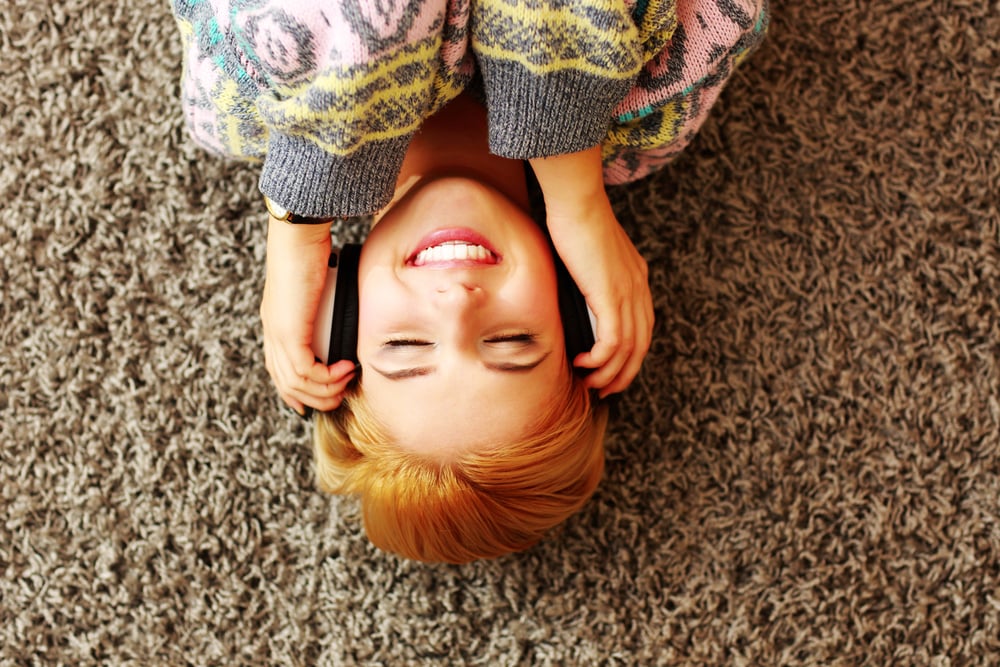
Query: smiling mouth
[
  {"x": 452, "y": 252},
  {"x": 454, "y": 247}
]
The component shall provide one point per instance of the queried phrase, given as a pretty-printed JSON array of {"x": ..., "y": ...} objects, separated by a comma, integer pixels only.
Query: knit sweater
[{"x": 327, "y": 96}]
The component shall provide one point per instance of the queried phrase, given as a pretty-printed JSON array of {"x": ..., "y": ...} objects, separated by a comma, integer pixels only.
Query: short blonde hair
[{"x": 481, "y": 504}]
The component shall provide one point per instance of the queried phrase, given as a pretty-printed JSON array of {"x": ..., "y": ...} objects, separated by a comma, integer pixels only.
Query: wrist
[
  {"x": 279, "y": 212},
  {"x": 284, "y": 234},
  {"x": 573, "y": 181},
  {"x": 579, "y": 209}
]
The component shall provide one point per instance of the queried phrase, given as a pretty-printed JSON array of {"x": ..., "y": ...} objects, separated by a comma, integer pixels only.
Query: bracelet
[{"x": 281, "y": 213}]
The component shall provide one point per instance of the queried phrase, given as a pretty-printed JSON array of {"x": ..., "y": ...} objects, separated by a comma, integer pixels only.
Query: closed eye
[
  {"x": 513, "y": 338},
  {"x": 406, "y": 342}
]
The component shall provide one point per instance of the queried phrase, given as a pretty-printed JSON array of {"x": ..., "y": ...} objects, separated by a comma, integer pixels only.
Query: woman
[{"x": 355, "y": 109}]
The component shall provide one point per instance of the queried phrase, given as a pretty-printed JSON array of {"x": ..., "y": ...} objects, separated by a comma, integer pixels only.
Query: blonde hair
[{"x": 481, "y": 504}]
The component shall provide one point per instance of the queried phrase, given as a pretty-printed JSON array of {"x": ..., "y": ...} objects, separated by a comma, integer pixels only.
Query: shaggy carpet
[{"x": 807, "y": 471}]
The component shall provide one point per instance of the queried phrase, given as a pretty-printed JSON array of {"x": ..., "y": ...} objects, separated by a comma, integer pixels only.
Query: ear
[{"x": 335, "y": 330}]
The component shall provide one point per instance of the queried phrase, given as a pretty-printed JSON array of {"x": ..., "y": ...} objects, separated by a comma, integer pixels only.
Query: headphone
[{"x": 335, "y": 332}]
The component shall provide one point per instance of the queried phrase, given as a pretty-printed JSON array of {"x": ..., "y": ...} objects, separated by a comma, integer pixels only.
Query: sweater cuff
[
  {"x": 305, "y": 179},
  {"x": 541, "y": 115}
]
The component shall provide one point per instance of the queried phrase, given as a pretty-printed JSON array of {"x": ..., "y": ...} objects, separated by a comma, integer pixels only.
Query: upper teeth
[{"x": 452, "y": 250}]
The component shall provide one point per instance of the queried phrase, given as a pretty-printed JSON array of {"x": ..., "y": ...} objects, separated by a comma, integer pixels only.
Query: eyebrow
[{"x": 502, "y": 367}]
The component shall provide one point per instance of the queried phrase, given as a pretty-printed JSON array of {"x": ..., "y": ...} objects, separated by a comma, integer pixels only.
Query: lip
[{"x": 455, "y": 235}]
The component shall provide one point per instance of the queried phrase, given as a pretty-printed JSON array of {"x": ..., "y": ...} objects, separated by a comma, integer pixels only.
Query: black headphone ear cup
[
  {"x": 344, "y": 322},
  {"x": 578, "y": 327}
]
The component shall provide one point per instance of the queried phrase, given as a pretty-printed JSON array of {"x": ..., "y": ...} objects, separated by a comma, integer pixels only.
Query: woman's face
[{"x": 459, "y": 338}]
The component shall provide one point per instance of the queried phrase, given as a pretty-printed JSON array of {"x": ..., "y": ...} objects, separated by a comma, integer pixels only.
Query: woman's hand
[
  {"x": 603, "y": 262},
  {"x": 297, "y": 258},
  {"x": 614, "y": 280}
]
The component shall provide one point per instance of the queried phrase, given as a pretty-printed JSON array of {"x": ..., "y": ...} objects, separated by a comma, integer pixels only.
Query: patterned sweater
[{"x": 327, "y": 95}]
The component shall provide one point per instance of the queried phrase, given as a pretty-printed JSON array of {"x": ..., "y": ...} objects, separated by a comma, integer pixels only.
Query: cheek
[
  {"x": 370, "y": 314},
  {"x": 539, "y": 297},
  {"x": 378, "y": 303}
]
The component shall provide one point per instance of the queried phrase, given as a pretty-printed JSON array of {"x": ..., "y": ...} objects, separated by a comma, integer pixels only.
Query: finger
[
  {"x": 323, "y": 405},
  {"x": 341, "y": 369},
  {"x": 302, "y": 362},
  {"x": 604, "y": 375},
  {"x": 330, "y": 384},
  {"x": 644, "y": 320},
  {"x": 627, "y": 373},
  {"x": 297, "y": 399},
  {"x": 316, "y": 371},
  {"x": 650, "y": 322},
  {"x": 305, "y": 381},
  {"x": 633, "y": 364},
  {"x": 268, "y": 358},
  {"x": 606, "y": 344},
  {"x": 624, "y": 377},
  {"x": 295, "y": 405},
  {"x": 296, "y": 391},
  {"x": 317, "y": 394},
  {"x": 297, "y": 388}
]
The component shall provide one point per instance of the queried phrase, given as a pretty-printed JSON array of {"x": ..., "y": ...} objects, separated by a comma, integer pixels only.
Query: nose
[
  {"x": 462, "y": 294},
  {"x": 458, "y": 307},
  {"x": 458, "y": 299}
]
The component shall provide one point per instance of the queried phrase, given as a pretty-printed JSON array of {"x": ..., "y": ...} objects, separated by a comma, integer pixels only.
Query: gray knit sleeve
[
  {"x": 553, "y": 71},
  {"x": 312, "y": 182},
  {"x": 539, "y": 116}
]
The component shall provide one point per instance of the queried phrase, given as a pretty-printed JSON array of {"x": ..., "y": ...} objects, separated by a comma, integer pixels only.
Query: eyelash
[
  {"x": 505, "y": 338},
  {"x": 513, "y": 338},
  {"x": 407, "y": 342}
]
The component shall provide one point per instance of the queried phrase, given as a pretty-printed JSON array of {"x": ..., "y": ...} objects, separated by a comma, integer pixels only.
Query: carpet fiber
[{"x": 807, "y": 471}]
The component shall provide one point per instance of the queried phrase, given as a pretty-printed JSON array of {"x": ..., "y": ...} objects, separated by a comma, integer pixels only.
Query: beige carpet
[{"x": 806, "y": 473}]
